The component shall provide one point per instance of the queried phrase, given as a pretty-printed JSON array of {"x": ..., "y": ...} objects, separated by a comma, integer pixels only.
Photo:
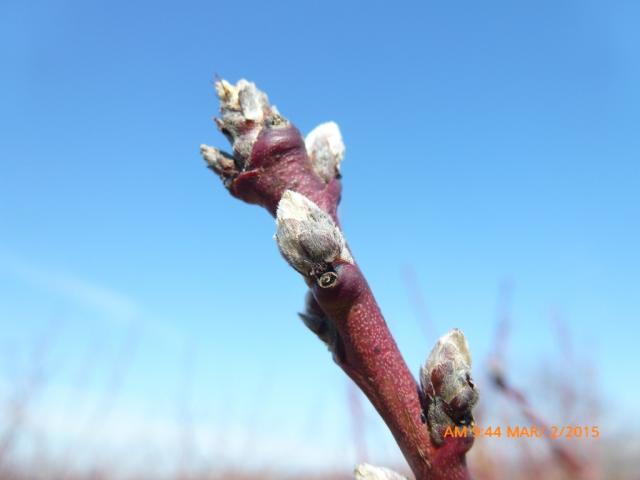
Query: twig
[
  {"x": 298, "y": 181},
  {"x": 565, "y": 457}
]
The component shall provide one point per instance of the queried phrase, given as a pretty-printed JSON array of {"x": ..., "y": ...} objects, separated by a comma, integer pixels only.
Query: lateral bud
[
  {"x": 316, "y": 321},
  {"x": 364, "y": 471},
  {"x": 309, "y": 239},
  {"x": 326, "y": 150},
  {"x": 449, "y": 393},
  {"x": 220, "y": 162}
]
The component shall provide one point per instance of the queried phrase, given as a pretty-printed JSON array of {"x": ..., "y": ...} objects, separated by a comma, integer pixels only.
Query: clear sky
[{"x": 487, "y": 142}]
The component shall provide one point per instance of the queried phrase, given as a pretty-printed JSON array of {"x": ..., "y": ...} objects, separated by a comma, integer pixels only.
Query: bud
[
  {"x": 245, "y": 111},
  {"x": 309, "y": 239},
  {"x": 220, "y": 162},
  {"x": 326, "y": 150},
  {"x": 447, "y": 387},
  {"x": 243, "y": 98},
  {"x": 316, "y": 321},
  {"x": 365, "y": 471}
]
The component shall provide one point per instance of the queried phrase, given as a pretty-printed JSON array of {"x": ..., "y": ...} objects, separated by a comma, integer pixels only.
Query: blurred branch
[
  {"x": 27, "y": 390},
  {"x": 565, "y": 457}
]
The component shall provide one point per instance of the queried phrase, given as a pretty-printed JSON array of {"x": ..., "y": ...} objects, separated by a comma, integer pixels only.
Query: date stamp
[{"x": 532, "y": 432}]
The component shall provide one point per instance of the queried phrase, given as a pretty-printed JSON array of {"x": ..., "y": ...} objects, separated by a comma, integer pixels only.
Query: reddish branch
[
  {"x": 566, "y": 457},
  {"x": 269, "y": 158}
]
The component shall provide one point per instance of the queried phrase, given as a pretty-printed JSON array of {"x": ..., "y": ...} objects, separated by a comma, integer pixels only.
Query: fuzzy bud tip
[
  {"x": 309, "y": 239},
  {"x": 245, "y": 111},
  {"x": 445, "y": 379},
  {"x": 326, "y": 150},
  {"x": 365, "y": 471}
]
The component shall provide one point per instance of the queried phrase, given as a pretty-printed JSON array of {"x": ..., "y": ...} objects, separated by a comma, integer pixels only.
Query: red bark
[{"x": 369, "y": 354}]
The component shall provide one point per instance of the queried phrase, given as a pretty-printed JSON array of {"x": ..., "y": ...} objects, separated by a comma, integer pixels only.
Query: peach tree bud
[
  {"x": 365, "y": 471},
  {"x": 315, "y": 320},
  {"x": 245, "y": 111},
  {"x": 309, "y": 239},
  {"x": 448, "y": 391},
  {"x": 220, "y": 162},
  {"x": 325, "y": 149}
]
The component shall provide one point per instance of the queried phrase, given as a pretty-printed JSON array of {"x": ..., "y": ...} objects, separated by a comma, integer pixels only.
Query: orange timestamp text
[{"x": 555, "y": 432}]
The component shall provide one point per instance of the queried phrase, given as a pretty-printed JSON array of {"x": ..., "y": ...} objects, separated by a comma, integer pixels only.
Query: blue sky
[{"x": 486, "y": 142}]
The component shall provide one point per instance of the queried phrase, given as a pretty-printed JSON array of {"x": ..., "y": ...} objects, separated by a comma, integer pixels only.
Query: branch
[
  {"x": 298, "y": 181},
  {"x": 566, "y": 457}
]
